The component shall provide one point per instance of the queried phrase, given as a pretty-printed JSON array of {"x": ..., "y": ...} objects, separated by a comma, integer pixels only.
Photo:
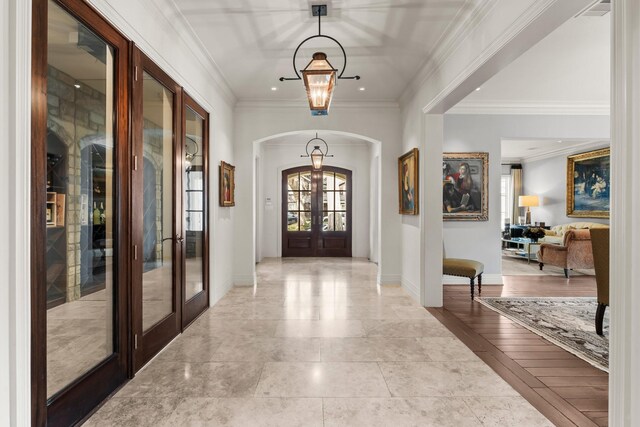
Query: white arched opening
[{"x": 275, "y": 153}]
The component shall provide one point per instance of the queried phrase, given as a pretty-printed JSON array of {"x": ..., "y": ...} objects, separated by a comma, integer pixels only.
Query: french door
[
  {"x": 157, "y": 209},
  {"x": 316, "y": 212}
]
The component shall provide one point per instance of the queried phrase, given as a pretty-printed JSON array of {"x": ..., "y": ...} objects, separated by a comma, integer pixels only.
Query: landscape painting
[{"x": 589, "y": 184}]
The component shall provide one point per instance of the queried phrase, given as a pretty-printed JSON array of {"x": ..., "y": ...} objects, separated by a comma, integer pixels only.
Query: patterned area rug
[{"x": 566, "y": 322}]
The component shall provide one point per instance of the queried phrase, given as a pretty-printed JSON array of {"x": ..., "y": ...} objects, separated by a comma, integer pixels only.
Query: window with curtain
[{"x": 505, "y": 199}]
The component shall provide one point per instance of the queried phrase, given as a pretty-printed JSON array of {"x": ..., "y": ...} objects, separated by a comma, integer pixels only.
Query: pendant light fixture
[
  {"x": 317, "y": 155},
  {"x": 319, "y": 75}
]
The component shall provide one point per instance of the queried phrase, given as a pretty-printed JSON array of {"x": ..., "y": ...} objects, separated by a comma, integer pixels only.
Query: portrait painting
[
  {"x": 408, "y": 171},
  {"x": 588, "y": 184},
  {"x": 465, "y": 181},
  {"x": 227, "y": 184}
]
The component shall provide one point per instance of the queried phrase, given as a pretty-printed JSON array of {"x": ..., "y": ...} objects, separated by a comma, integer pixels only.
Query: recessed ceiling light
[
  {"x": 77, "y": 85},
  {"x": 559, "y": 140},
  {"x": 478, "y": 88},
  {"x": 362, "y": 88},
  {"x": 274, "y": 88}
]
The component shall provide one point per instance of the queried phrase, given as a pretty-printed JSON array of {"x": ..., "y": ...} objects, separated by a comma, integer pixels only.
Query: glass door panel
[
  {"x": 80, "y": 200},
  {"x": 194, "y": 203},
  {"x": 157, "y": 211}
]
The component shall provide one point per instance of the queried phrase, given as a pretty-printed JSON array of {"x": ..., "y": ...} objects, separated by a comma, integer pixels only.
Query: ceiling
[
  {"x": 386, "y": 42},
  {"x": 524, "y": 149},
  {"x": 569, "y": 67}
]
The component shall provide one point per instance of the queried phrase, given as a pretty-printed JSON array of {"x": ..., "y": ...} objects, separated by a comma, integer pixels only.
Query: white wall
[
  {"x": 276, "y": 157},
  {"x": 466, "y": 133},
  {"x": 260, "y": 121},
  {"x": 548, "y": 179}
]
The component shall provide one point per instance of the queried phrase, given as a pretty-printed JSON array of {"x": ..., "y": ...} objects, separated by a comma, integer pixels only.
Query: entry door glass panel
[
  {"x": 334, "y": 201},
  {"x": 299, "y": 201},
  {"x": 158, "y": 229},
  {"x": 80, "y": 206},
  {"x": 194, "y": 203}
]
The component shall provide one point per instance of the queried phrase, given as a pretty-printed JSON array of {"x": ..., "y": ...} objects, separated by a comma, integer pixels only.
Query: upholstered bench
[{"x": 464, "y": 268}]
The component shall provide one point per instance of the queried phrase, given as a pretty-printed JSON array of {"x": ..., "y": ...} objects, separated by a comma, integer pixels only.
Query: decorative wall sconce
[
  {"x": 317, "y": 155},
  {"x": 319, "y": 75}
]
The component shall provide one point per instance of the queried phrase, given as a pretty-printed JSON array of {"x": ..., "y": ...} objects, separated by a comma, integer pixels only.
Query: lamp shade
[
  {"x": 316, "y": 158},
  {"x": 528, "y": 201},
  {"x": 319, "y": 80}
]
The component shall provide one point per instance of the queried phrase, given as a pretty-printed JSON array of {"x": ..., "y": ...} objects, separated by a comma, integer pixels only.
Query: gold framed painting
[
  {"x": 227, "y": 184},
  {"x": 465, "y": 186},
  {"x": 588, "y": 184},
  {"x": 408, "y": 187}
]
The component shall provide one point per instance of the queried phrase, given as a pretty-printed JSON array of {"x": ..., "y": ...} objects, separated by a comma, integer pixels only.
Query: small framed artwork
[
  {"x": 588, "y": 184},
  {"x": 408, "y": 190},
  {"x": 227, "y": 184},
  {"x": 465, "y": 185}
]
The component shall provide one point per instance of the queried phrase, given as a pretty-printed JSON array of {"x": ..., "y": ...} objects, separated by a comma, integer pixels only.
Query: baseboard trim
[
  {"x": 487, "y": 279},
  {"x": 217, "y": 295},
  {"x": 389, "y": 279},
  {"x": 411, "y": 288},
  {"x": 244, "y": 280}
]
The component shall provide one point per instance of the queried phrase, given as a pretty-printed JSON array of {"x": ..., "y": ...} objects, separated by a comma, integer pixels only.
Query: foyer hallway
[{"x": 317, "y": 343}]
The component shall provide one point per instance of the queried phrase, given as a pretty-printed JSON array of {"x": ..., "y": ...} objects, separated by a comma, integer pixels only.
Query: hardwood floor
[{"x": 566, "y": 389}]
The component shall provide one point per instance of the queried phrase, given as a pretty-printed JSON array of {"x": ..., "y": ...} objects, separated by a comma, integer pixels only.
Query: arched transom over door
[{"x": 316, "y": 212}]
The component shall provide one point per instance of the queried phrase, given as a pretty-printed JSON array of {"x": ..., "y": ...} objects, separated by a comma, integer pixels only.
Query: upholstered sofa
[
  {"x": 556, "y": 234},
  {"x": 573, "y": 252}
]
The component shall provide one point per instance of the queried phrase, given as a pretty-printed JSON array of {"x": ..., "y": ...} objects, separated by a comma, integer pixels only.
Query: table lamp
[{"x": 528, "y": 202}]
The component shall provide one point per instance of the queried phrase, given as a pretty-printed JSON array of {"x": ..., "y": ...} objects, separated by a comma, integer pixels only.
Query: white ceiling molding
[
  {"x": 535, "y": 108},
  {"x": 457, "y": 31},
  {"x": 304, "y": 103},
  {"x": 573, "y": 149},
  {"x": 169, "y": 12}
]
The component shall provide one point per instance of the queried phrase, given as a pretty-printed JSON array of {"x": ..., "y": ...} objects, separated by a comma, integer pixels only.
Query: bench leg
[
  {"x": 541, "y": 265},
  {"x": 472, "y": 284},
  {"x": 566, "y": 273},
  {"x": 599, "y": 318},
  {"x": 479, "y": 284}
]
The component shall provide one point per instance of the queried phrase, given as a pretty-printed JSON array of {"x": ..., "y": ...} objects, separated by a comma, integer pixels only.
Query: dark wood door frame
[
  {"x": 197, "y": 304},
  {"x": 73, "y": 403},
  {"x": 148, "y": 344},
  {"x": 314, "y": 242}
]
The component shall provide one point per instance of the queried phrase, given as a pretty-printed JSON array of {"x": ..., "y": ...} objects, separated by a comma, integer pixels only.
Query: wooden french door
[
  {"x": 195, "y": 184},
  {"x": 157, "y": 209},
  {"x": 80, "y": 230},
  {"x": 316, "y": 212}
]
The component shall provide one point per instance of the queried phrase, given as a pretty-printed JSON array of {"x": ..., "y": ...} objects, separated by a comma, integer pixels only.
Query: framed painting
[
  {"x": 227, "y": 184},
  {"x": 408, "y": 190},
  {"x": 465, "y": 186},
  {"x": 588, "y": 184}
]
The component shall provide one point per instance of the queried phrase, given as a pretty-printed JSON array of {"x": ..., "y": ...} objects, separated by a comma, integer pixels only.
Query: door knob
[{"x": 178, "y": 238}]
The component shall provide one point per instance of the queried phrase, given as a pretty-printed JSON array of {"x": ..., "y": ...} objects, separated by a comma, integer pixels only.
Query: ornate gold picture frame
[
  {"x": 465, "y": 186},
  {"x": 408, "y": 185},
  {"x": 227, "y": 185},
  {"x": 588, "y": 184}
]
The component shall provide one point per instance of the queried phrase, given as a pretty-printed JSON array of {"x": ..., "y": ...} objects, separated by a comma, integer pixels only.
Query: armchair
[
  {"x": 575, "y": 252},
  {"x": 600, "y": 245}
]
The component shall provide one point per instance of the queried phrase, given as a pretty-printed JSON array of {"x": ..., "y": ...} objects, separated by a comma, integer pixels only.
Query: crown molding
[
  {"x": 573, "y": 149},
  {"x": 451, "y": 38},
  {"x": 168, "y": 11},
  {"x": 531, "y": 108},
  {"x": 271, "y": 103}
]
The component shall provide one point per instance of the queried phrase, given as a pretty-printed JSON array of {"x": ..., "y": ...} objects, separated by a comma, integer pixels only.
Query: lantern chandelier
[
  {"x": 319, "y": 75},
  {"x": 317, "y": 155}
]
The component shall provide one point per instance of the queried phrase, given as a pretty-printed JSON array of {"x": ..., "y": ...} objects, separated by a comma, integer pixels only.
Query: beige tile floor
[{"x": 317, "y": 343}]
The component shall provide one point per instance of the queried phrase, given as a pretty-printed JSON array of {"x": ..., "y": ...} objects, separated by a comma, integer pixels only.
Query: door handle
[{"x": 178, "y": 238}]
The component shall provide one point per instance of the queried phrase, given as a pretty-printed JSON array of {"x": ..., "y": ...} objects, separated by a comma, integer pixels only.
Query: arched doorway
[{"x": 316, "y": 212}]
